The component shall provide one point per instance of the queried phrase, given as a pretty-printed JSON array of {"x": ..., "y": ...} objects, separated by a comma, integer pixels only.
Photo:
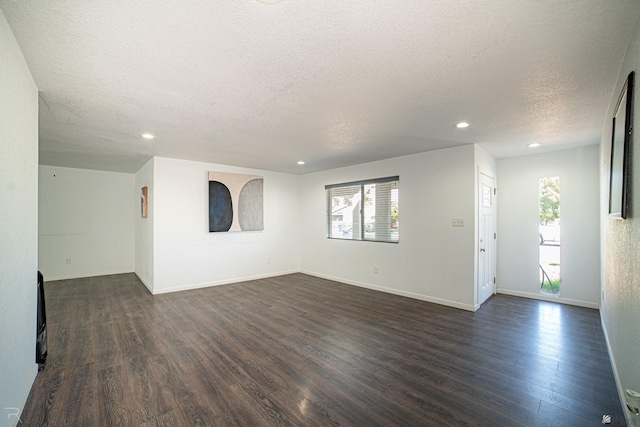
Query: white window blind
[{"x": 364, "y": 210}]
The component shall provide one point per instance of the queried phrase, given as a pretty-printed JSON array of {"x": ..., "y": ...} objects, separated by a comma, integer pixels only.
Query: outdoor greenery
[
  {"x": 549, "y": 199},
  {"x": 551, "y": 287}
]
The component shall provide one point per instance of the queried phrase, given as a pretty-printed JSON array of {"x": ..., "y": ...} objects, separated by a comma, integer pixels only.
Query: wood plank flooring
[{"x": 297, "y": 350}]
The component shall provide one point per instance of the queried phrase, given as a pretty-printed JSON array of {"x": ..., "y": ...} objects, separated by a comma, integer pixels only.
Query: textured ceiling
[{"x": 331, "y": 82}]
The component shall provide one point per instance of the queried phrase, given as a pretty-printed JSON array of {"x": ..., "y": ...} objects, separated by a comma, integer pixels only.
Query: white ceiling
[{"x": 331, "y": 82}]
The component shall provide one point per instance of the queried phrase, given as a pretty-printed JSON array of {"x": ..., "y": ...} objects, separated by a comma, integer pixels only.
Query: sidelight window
[{"x": 549, "y": 231}]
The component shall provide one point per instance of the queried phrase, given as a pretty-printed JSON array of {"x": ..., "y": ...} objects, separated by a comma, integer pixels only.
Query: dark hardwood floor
[{"x": 297, "y": 350}]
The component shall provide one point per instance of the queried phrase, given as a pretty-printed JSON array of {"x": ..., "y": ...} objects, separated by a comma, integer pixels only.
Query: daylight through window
[
  {"x": 549, "y": 200},
  {"x": 364, "y": 210}
]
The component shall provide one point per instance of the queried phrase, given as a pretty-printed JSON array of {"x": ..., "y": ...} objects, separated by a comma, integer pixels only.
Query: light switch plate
[{"x": 457, "y": 222}]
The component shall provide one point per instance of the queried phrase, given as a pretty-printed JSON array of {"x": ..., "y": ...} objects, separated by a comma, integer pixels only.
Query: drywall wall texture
[
  {"x": 433, "y": 260},
  {"x": 144, "y": 227},
  {"x": 620, "y": 305},
  {"x": 186, "y": 255},
  {"x": 19, "y": 226},
  {"x": 518, "y": 223},
  {"x": 86, "y": 222}
]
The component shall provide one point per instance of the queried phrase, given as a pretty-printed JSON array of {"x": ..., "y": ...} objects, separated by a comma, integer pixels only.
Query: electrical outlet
[
  {"x": 68, "y": 261},
  {"x": 375, "y": 269},
  {"x": 457, "y": 222},
  {"x": 268, "y": 260}
]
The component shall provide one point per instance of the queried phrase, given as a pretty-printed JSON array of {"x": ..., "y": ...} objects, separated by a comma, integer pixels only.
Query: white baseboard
[
  {"x": 26, "y": 389},
  {"x": 448, "y": 303},
  {"x": 549, "y": 298},
  {"x": 614, "y": 367},
  {"x": 147, "y": 285},
  {"x": 220, "y": 282},
  {"x": 85, "y": 275}
]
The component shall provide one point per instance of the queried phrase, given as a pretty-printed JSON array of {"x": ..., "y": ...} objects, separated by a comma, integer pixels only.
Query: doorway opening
[{"x": 549, "y": 231}]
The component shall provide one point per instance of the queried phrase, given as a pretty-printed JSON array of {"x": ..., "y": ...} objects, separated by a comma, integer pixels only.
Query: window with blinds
[{"x": 364, "y": 210}]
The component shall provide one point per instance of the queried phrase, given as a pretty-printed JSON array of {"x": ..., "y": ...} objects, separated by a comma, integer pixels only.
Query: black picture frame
[{"x": 620, "y": 143}]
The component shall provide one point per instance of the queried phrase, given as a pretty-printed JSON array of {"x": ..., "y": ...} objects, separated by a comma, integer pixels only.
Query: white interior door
[{"x": 487, "y": 239}]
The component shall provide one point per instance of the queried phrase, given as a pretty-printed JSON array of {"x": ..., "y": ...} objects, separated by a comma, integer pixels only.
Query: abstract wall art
[
  {"x": 235, "y": 202},
  {"x": 144, "y": 206}
]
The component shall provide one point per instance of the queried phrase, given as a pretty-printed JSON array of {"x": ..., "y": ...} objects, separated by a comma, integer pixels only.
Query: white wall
[
  {"x": 144, "y": 227},
  {"x": 518, "y": 221},
  {"x": 186, "y": 255},
  {"x": 88, "y": 217},
  {"x": 433, "y": 261},
  {"x": 620, "y": 308},
  {"x": 18, "y": 226}
]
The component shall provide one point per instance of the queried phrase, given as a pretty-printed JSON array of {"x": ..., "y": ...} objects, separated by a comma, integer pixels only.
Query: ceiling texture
[{"x": 331, "y": 82}]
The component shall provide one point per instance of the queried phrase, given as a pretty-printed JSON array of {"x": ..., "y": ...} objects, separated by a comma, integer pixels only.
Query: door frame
[{"x": 493, "y": 246}]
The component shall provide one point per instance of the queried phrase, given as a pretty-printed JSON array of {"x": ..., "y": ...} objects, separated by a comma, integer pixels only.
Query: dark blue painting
[{"x": 220, "y": 207}]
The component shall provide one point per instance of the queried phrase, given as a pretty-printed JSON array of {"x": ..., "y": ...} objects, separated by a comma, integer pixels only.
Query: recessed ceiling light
[
  {"x": 300, "y": 162},
  {"x": 462, "y": 125},
  {"x": 147, "y": 136},
  {"x": 534, "y": 145}
]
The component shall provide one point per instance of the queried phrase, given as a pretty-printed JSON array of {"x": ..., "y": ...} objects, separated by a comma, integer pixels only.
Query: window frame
[{"x": 361, "y": 183}]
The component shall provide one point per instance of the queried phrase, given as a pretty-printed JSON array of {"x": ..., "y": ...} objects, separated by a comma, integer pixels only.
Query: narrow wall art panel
[
  {"x": 235, "y": 202},
  {"x": 144, "y": 205}
]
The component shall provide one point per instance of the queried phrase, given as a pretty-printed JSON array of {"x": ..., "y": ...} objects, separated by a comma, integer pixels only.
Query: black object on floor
[{"x": 41, "y": 331}]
